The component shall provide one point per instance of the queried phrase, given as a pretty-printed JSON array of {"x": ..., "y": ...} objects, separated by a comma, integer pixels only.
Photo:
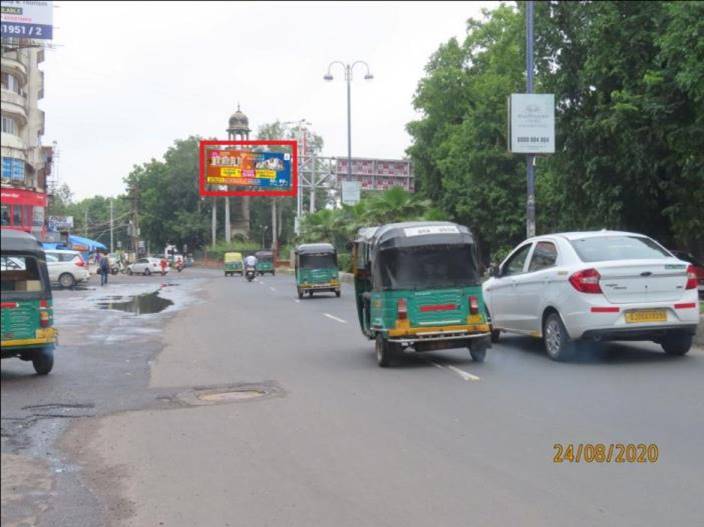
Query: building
[
  {"x": 26, "y": 164},
  {"x": 377, "y": 174}
]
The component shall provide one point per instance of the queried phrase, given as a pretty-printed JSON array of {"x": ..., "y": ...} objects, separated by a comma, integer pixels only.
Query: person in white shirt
[{"x": 250, "y": 261}]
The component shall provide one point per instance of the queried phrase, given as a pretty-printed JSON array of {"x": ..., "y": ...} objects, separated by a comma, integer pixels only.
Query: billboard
[
  {"x": 27, "y": 19},
  {"x": 376, "y": 174},
  {"x": 532, "y": 123},
  {"x": 60, "y": 223},
  {"x": 248, "y": 168}
]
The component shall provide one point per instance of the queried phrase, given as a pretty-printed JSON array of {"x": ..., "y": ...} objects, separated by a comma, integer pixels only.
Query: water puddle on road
[{"x": 145, "y": 304}]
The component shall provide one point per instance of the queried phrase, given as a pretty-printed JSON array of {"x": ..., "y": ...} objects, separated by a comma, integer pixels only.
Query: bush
[
  {"x": 218, "y": 252},
  {"x": 344, "y": 262}
]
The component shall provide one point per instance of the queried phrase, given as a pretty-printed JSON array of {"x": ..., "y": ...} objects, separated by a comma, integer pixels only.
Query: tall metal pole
[
  {"x": 530, "y": 158},
  {"x": 85, "y": 223},
  {"x": 348, "y": 74},
  {"x": 112, "y": 245},
  {"x": 214, "y": 221}
]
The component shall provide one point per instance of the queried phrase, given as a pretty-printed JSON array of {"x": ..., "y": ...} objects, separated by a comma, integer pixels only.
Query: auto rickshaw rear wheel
[
  {"x": 384, "y": 351},
  {"x": 338, "y": 293},
  {"x": 478, "y": 353},
  {"x": 310, "y": 293},
  {"x": 43, "y": 361}
]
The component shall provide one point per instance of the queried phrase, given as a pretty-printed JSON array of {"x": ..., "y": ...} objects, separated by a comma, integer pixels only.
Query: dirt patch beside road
[{"x": 23, "y": 480}]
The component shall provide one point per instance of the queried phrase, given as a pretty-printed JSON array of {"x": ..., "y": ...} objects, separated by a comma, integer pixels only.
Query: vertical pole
[
  {"x": 112, "y": 245},
  {"x": 214, "y": 222},
  {"x": 85, "y": 223},
  {"x": 274, "y": 231},
  {"x": 530, "y": 158},
  {"x": 228, "y": 235},
  {"x": 313, "y": 177},
  {"x": 348, "y": 75}
]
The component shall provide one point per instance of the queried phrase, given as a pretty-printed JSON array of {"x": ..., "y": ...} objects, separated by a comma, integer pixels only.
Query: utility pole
[
  {"x": 214, "y": 221},
  {"x": 274, "y": 230},
  {"x": 312, "y": 185},
  {"x": 85, "y": 223},
  {"x": 112, "y": 244},
  {"x": 530, "y": 158}
]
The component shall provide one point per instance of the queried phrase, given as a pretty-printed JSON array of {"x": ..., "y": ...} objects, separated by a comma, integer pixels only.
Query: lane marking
[
  {"x": 335, "y": 318},
  {"x": 464, "y": 374},
  {"x": 297, "y": 301},
  {"x": 272, "y": 288}
]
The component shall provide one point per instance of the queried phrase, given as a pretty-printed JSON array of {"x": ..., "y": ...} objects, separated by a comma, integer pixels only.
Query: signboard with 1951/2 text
[
  {"x": 531, "y": 123},
  {"x": 32, "y": 20}
]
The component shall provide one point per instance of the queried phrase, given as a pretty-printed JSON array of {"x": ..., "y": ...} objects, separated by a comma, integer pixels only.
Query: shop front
[{"x": 24, "y": 210}]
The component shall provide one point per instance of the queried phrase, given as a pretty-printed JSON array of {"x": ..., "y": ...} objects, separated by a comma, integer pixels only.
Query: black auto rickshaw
[
  {"x": 265, "y": 262},
  {"x": 417, "y": 285},
  {"x": 26, "y": 310},
  {"x": 316, "y": 269}
]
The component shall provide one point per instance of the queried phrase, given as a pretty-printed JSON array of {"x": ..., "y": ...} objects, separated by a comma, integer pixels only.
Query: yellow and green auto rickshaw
[
  {"x": 316, "y": 269},
  {"x": 417, "y": 285},
  {"x": 26, "y": 311},
  {"x": 233, "y": 264},
  {"x": 265, "y": 262}
]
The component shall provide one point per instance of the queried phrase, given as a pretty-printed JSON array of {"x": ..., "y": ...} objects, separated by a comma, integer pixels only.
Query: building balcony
[
  {"x": 13, "y": 105},
  {"x": 12, "y": 146},
  {"x": 15, "y": 67}
]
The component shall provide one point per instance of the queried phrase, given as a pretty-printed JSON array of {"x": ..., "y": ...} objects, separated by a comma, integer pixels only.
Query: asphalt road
[{"x": 336, "y": 440}]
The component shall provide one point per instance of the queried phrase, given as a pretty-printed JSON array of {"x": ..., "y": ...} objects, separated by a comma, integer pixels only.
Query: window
[
  {"x": 5, "y": 214},
  {"x": 515, "y": 264},
  {"x": 51, "y": 258},
  {"x": 20, "y": 274},
  {"x": 17, "y": 215},
  {"x": 544, "y": 256},
  {"x": 12, "y": 83},
  {"x": 9, "y": 125},
  {"x": 606, "y": 248}
]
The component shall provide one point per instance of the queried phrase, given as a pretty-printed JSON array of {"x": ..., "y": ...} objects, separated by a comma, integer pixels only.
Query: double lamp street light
[{"x": 348, "y": 69}]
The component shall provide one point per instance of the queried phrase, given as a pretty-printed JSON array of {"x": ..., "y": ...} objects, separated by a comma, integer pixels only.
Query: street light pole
[
  {"x": 348, "y": 77},
  {"x": 530, "y": 158}
]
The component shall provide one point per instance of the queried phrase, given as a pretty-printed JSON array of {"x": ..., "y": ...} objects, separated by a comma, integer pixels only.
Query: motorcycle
[{"x": 249, "y": 273}]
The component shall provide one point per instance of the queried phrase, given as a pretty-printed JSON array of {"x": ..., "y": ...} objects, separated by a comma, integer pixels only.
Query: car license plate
[{"x": 649, "y": 315}]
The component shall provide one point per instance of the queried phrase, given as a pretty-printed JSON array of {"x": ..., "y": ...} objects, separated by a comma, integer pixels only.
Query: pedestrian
[
  {"x": 163, "y": 264},
  {"x": 104, "y": 269}
]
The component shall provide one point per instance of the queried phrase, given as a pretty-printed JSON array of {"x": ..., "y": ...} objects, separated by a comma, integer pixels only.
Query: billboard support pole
[
  {"x": 112, "y": 245},
  {"x": 530, "y": 158},
  {"x": 312, "y": 184}
]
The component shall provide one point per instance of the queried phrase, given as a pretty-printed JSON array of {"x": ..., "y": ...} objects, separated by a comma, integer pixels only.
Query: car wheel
[
  {"x": 558, "y": 344},
  {"x": 678, "y": 344},
  {"x": 384, "y": 351},
  {"x": 43, "y": 361},
  {"x": 67, "y": 280},
  {"x": 147, "y": 271}
]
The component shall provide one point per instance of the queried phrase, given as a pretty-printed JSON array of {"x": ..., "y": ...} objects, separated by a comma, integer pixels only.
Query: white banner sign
[
  {"x": 351, "y": 192},
  {"x": 532, "y": 123}
]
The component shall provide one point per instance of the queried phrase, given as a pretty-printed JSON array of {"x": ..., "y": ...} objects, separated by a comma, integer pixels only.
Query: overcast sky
[{"x": 128, "y": 78}]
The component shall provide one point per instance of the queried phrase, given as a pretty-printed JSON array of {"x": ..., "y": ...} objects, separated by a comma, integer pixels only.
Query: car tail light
[
  {"x": 44, "y": 319},
  {"x": 473, "y": 305},
  {"x": 691, "y": 278},
  {"x": 78, "y": 261},
  {"x": 586, "y": 281},
  {"x": 402, "y": 309}
]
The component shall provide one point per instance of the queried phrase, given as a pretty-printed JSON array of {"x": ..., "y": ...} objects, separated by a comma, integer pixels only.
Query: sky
[{"x": 124, "y": 80}]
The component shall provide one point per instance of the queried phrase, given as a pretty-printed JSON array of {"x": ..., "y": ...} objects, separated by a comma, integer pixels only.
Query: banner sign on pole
[
  {"x": 31, "y": 20},
  {"x": 532, "y": 123},
  {"x": 351, "y": 192}
]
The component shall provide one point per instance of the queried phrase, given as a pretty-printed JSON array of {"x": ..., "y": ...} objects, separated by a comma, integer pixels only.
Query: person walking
[{"x": 104, "y": 267}]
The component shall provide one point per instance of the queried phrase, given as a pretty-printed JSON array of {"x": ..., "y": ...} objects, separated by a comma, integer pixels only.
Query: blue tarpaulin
[{"x": 77, "y": 243}]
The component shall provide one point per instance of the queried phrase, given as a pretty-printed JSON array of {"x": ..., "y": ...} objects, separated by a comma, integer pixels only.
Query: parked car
[
  {"x": 67, "y": 268},
  {"x": 604, "y": 285},
  {"x": 146, "y": 266},
  {"x": 698, "y": 268}
]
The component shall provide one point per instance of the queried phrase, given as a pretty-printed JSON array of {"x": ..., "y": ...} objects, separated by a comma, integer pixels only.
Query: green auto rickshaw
[
  {"x": 233, "y": 264},
  {"x": 417, "y": 285},
  {"x": 316, "y": 269},
  {"x": 26, "y": 311},
  {"x": 265, "y": 262}
]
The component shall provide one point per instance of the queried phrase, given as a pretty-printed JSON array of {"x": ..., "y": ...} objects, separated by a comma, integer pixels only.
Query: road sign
[
  {"x": 532, "y": 123},
  {"x": 31, "y": 20},
  {"x": 351, "y": 192}
]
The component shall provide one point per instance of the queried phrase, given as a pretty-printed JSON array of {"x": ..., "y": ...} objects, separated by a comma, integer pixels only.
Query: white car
[
  {"x": 66, "y": 267},
  {"x": 146, "y": 266},
  {"x": 603, "y": 285}
]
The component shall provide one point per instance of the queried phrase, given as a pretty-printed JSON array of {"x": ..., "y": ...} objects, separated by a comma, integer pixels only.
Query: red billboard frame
[{"x": 258, "y": 142}]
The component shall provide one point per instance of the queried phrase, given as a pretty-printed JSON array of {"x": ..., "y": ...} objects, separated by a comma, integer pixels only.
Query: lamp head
[{"x": 327, "y": 77}]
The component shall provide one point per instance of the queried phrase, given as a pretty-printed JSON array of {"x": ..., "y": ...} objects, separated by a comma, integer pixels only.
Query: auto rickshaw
[
  {"x": 265, "y": 262},
  {"x": 316, "y": 269},
  {"x": 233, "y": 264},
  {"x": 26, "y": 311},
  {"x": 417, "y": 286}
]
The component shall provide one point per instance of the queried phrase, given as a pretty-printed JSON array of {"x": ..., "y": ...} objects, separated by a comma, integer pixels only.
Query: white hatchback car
[
  {"x": 146, "y": 266},
  {"x": 603, "y": 285},
  {"x": 66, "y": 267}
]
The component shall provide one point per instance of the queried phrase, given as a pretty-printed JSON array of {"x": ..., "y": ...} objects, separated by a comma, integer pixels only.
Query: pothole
[
  {"x": 144, "y": 304},
  {"x": 232, "y": 393}
]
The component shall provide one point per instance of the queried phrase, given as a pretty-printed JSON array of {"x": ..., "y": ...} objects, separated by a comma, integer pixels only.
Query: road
[{"x": 334, "y": 439}]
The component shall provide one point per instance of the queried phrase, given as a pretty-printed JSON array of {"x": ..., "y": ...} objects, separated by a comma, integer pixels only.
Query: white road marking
[
  {"x": 273, "y": 289},
  {"x": 465, "y": 375},
  {"x": 297, "y": 301},
  {"x": 335, "y": 318}
]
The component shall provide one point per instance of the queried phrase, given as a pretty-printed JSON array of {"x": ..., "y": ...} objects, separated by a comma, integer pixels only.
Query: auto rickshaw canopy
[{"x": 233, "y": 257}]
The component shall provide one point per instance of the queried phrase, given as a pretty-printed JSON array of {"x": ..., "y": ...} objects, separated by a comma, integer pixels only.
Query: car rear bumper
[{"x": 639, "y": 333}]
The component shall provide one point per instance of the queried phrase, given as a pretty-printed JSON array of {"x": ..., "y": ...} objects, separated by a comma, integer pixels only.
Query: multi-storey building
[{"x": 25, "y": 162}]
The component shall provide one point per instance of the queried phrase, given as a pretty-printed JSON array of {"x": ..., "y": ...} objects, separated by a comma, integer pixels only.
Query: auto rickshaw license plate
[{"x": 647, "y": 315}]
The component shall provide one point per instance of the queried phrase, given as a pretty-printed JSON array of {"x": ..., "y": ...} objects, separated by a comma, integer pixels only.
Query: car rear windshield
[
  {"x": 428, "y": 267},
  {"x": 318, "y": 261},
  {"x": 606, "y": 248},
  {"x": 20, "y": 274}
]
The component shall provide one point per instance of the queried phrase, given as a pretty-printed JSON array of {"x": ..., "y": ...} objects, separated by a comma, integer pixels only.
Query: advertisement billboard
[
  {"x": 60, "y": 223},
  {"x": 532, "y": 123},
  {"x": 248, "y": 168},
  {"x": 31, "y": 20}
]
